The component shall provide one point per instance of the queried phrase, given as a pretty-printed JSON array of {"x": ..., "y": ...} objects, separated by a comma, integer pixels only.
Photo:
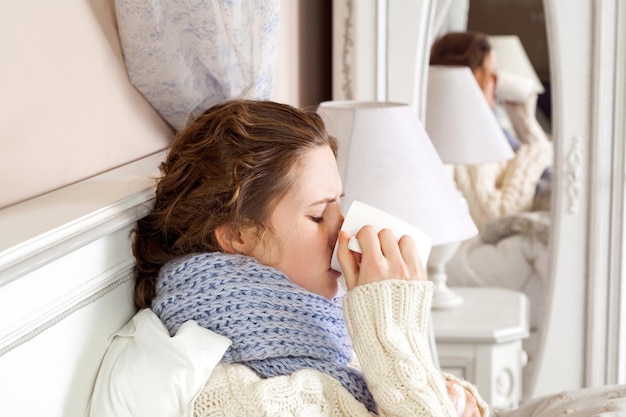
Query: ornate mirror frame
[
  {"x": 586, "y": 333},
  {"x": 380, "y": 52}
]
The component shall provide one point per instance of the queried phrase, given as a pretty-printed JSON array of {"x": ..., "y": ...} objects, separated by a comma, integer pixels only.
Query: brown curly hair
[
  {"x": 460, "y": 48},
  {"x": 229, "y": 166}
]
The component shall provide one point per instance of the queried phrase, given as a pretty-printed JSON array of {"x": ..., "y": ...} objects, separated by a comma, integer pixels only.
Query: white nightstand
[{"x": 481, "y": 342}]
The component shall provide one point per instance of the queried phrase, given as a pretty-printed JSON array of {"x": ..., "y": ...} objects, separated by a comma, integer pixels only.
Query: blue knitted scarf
[{"x": 276, "y": 327}]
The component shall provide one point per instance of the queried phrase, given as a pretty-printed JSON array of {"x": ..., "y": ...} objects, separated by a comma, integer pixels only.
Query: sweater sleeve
[
  {"x": 524, "y": 121},
  {"x": 388, "y": 322}
]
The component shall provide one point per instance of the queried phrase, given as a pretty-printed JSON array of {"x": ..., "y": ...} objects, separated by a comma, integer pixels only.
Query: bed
[{"x": 66, "y": 286}]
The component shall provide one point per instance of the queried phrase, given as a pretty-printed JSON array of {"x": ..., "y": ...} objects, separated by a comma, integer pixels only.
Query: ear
[
  {"x": 223, "y": 236},
  {"x": 240, "y": 241}
]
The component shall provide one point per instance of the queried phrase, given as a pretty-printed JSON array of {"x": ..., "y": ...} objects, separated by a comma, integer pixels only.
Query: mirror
[
  {"x": 584, "y": 321},
  {"x": 381, "y": 51},
  {"x": 513, "y": 252}
]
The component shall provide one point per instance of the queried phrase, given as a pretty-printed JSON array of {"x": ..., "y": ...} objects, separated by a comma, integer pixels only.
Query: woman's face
[
  {"x": 305, "y": 225},
  {"x": 487, "y": 78}
]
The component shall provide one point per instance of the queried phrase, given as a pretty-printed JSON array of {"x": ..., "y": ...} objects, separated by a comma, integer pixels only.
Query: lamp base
[{"x": 443, "y": 296}]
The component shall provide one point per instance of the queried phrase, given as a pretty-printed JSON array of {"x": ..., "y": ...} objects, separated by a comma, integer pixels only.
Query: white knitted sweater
[
  {"x": 496, "y": 189},
  {"x": 388, "y": 323}
]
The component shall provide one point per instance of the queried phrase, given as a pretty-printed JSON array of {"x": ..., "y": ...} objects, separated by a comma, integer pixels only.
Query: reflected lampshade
[{"x": 459, "y": 121}]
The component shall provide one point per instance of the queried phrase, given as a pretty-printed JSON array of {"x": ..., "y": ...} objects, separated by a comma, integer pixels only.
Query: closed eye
[{"x": 316, "y": 219}]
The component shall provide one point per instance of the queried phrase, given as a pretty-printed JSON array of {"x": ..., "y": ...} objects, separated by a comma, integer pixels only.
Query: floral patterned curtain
[{"x": 186, "y": 55}]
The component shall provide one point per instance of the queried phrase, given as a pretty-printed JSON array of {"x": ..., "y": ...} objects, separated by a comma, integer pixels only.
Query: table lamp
[
  {"x": 464, "y": 130},
  {"x": 386, "y": 160}
]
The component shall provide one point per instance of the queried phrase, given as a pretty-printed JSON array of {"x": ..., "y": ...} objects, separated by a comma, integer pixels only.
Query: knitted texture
[
  {"x": 500, "y": 188},
  {"x": 276, "y": 326},
  {"x": 402, "y": 348},
  {"x": 236, "y": 390},
  {"x": 389, "y": 323}
]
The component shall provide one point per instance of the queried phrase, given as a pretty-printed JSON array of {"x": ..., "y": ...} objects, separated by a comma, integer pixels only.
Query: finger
[
  {"x": 347, "y": 261},
  {"x": 398, "y": 268},
  {"x": 374, "y": 266},
  {"x": 452, "y": 393},
  {"x": 368, "y": 241},
  {"x": 458, "y": 399},
  {"x": 389, "y": 245},
  {"x": 408, "y": 249},
  {"x": 471, "y": 408}
]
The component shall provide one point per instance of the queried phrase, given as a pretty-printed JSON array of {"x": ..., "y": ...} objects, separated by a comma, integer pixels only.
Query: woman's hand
[
  {"x": 383, "y": 257},
  {"x": 464, "y": 401}
]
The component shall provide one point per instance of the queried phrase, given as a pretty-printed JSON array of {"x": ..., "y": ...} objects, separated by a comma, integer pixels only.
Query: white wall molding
[
  {"x": 40, "y": 317},
  {"x": 40, "y": 230},
  {"x": 28, "y": 256},
  {"x": 381, "y": 50},
  {"x": 600, "y": 254},
  {"x": 605, "y": 345},
  {"x": 61, "y": 250}
]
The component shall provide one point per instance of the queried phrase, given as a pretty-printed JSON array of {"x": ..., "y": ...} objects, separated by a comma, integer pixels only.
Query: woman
[
  {"x": 496, "y": 189},
  {"x": 240, "y": 241}
]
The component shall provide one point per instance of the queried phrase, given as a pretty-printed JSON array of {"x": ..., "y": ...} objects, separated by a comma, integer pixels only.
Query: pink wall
[{"x": 68, "y": 111}]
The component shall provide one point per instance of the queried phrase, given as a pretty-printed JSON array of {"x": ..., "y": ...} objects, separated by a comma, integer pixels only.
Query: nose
[{"x": 337, "y": 221}]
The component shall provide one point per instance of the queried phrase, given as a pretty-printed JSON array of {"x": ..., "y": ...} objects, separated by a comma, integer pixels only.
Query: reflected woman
[{"x": 496, "y": 189}]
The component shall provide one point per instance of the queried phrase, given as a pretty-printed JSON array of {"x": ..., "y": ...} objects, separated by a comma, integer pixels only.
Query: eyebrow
[{"x": 327, "y": 200}]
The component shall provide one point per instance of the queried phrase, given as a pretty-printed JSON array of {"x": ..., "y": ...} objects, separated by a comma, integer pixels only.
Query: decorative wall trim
[
  {"x": 34, "y": 253},
  {"x": 347, "y": 50},
  {"x": 73, "y": 258},
  {"x": 52, "y": 315},
  {"x": 573, "y": 174}
]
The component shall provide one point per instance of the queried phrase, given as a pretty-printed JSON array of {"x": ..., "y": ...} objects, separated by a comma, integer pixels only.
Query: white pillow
[{"x": 145, "y": 372}]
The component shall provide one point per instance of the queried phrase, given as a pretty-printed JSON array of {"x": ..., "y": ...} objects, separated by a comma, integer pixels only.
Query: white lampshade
[
  {"x": 387, "y": 160},
  {"x": 512, "y": 58},
  {"x": 459, "y": 121}
]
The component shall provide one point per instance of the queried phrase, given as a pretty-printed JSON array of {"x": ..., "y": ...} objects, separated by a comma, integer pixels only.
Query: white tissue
[{"x": 360, "y": 214}]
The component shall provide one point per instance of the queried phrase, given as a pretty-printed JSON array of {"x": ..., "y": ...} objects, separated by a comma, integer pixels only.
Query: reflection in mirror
[
  {"x": 582, "y": 259},
  {"x": 526, "y": 20},
  {"x": 513, "y": 248},
  {"x": 514, "y": 251}
]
